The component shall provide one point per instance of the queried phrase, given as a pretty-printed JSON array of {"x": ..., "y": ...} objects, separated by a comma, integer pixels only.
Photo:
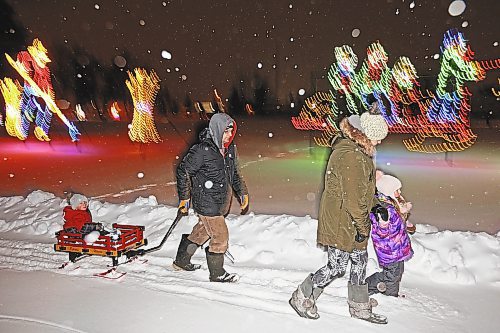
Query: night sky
[{"x": 223, "y": 44}]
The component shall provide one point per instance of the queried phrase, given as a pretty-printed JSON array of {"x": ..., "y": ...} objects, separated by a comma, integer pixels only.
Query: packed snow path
[{"x": 273, "y": 254}]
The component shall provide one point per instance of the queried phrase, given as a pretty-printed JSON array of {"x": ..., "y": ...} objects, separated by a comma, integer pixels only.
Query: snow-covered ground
[{"x": 452, "y": 284}]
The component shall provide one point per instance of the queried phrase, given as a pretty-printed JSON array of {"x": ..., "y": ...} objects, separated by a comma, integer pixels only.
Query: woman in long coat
[{"x": 343, "y": 223}]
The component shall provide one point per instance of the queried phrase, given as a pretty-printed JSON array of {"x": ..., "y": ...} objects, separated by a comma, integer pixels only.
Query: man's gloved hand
[
  {"x": 184, "y": 206},
  {"x": 380, "y": 213},
  {"x": 359, "y": 237},
  {"x": 244, "y": 204}
]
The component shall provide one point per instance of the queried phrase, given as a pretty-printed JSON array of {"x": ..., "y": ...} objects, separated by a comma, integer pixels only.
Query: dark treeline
[{"x": 80, "y": 78}]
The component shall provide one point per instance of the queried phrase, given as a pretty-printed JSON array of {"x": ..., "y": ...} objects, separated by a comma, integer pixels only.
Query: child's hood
[{"x": 388, "y": 184}]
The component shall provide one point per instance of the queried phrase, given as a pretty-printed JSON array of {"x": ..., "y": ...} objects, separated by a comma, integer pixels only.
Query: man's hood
[{"x": 218, "y": 124}]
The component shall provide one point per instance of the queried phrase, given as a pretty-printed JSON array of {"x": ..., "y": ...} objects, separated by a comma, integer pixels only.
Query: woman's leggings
[{"x": 337, "y": 265}]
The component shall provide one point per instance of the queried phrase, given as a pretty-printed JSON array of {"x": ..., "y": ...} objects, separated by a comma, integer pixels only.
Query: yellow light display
[
  {"x": 143, "y": 87},
  {"x": 11, "y": 91}
]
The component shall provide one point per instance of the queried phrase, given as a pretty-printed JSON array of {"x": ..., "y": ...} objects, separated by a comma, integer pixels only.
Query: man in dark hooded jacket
[{"x": 206, "y": 178}]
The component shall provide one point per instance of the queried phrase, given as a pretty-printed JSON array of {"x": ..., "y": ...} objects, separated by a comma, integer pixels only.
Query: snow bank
[
  {"x": 40, "y": 213},
  {"x": 260, "y": 242}
]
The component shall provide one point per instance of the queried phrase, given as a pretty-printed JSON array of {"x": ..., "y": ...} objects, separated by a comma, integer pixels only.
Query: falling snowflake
[
  {"x": 355, "y": 32},
  {"x": 465, "y": 24},
  {"x": 166, "y": 55},
  {"x": 209, "y": 184},
  {"x": 96, "y": 6},
  {"x": 302, "y": 91},
  {"x": 270, "y": 134},
  {"x": 457, "y": 7},
  {"x": 259, "y": 65},
  {"x": 120, "y": 61}
]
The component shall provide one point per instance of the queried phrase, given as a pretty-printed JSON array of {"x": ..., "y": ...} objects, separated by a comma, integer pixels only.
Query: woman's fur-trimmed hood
[{"x": 357, "y": 136}]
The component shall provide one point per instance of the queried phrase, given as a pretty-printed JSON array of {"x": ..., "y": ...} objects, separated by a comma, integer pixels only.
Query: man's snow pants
[{"x": 213, "y": 228}]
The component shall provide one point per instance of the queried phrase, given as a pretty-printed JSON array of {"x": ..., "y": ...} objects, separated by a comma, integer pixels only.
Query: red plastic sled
[{"x": 130, "y": 239}]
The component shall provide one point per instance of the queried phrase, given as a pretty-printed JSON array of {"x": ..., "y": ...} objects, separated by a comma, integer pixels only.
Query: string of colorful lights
[
  {"x": 442, "y": 114},
  {"x": 143, "y": 87}
]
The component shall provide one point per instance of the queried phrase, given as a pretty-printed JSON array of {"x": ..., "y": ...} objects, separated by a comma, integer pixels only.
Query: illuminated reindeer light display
[
  {"x": 442, "y": 114},
  {"x": 23, "y": 103}
]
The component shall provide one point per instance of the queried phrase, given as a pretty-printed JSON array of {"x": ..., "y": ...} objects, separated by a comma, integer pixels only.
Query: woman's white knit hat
[{"x": 372, "y": 124}]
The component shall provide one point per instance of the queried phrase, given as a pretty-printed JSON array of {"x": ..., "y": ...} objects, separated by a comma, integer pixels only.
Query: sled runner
[{"x": 130, "y": 239}]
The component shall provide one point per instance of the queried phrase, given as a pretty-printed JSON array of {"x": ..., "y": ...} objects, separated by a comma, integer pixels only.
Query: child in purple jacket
[{"x": 390, "y": 237}]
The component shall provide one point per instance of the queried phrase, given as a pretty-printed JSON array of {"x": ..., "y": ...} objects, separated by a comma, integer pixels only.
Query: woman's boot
[
  {"x": 360, "y": 306},
  {"x": 304, "y": 298}
]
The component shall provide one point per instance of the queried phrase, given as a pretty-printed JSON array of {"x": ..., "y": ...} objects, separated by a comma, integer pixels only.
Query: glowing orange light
[
  {"x": 249, "y": 109},
  {"x": 115, "y": 111},
  {"x": 80, "y": 114},
  {"x": 496, "y": 93},
  {"x": 218, "y": 99}
]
